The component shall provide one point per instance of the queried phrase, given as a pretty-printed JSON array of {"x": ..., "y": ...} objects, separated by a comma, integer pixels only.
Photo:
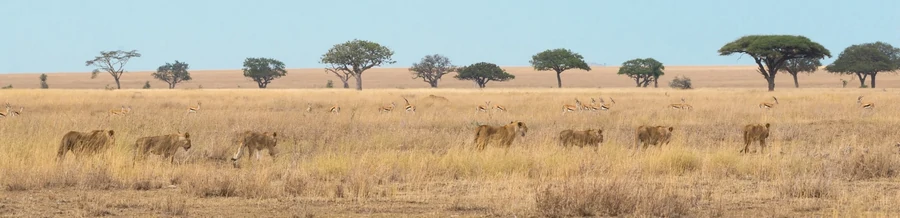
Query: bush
[
  {"x": 329, "y": 84},
  {"x": 147, "y": 85},
  {"x": 7, "y": 87},
  {"x": 43, "y": 78},
  {"x": 681, "y": 82}
]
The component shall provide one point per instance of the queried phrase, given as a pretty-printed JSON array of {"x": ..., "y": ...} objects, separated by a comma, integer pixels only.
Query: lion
[
  {"x": 254, "y": 142},
  {"x": 165, "y": 145},
  {"x": 590, "y": 137},
  {"x": 652, "y": 135},
  {"x": 85, "y": 143},
  {"x": 499, "y": 135},
  {"x": 755, "y": 132}
]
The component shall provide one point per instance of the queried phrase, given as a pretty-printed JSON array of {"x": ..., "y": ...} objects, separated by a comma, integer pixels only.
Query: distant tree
[
  {"x": 146, "y": 85},
  {"x": 771, "y": 51},
  {"x": 431, "y": 68},
  {"x": 354, "y": 57},
  {"x": 558, "y": 60},
  {"x": 112, "y": 62},
  {"x": 643, "y": 71},
  {"x": 263, "y": 70},
  {"x": 329, "y": 84},
  {"x": 43, "y": 78},
  {"x": 865, "y": 60},
  {"x": 482, "y": 73},
  {"x": 798, "y": 65},
  {"x": 681, "y": 82},
  {"x": 173, "y": 73}
]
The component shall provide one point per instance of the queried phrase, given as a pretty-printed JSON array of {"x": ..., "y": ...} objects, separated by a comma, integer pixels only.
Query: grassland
[{"x": 826, "y": 156}]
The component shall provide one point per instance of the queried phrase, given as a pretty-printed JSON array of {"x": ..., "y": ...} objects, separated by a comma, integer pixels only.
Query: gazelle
[
  {"x": 572, "y": 108},
  {"x": 768, "y": 105},
  {"x": 17, "y": 113},
  {"x": 308, "y": 107},
  {"x": 865, "y": 105},
  {"x": 603, "y": 106},
  {"x": 5, "y": 114},
  {"x": 483, "y": 108},
  {"x": 593, "y": 105},
  {"x": 194, "y": 109},
  {"x": 387, "y": 108},
  {"x": 120, "y": 111},
  {"x": 682, "y": 106},
  {"x": 409, "y": 107},
  {"x": 335, "y": 109},
  {"x": 499, "y": 108}
]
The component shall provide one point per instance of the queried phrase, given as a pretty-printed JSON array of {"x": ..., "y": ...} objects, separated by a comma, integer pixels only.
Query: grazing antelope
[
  {"x": 572, "y": 108},
  {"x": 121, "y": 111},
  {"x": 335, "y": 109},
  {"x": 768, "y": 105},
  {"x": 308, "y": 107},
  {"x": 865, "y": 105},
  {"x": 17, "y": 113},
  {"x": 5, "y": 114},
  {"x": 387, "y": 108},
  {"x": 499, "y": 108},
  {"x": 483, "y": 108},
  {"x": 682, "y": 106},
  {"x": 194, "y": 109},
  {"x": 603, "y": 106},
  {"x": 409, "y": 107}
]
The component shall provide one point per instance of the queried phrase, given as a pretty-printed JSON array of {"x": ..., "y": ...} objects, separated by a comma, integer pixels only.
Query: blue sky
[{"x": 59, "y": 35}]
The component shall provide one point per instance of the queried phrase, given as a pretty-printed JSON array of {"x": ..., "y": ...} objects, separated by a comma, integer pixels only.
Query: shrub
[
  {"x": 43, "y": 78},
  {"x": 681, "y": 82},
  {"x": 147, "y": 85},
  {"x": 329, "y": 84},
  {"x": 7, "y": 86}
]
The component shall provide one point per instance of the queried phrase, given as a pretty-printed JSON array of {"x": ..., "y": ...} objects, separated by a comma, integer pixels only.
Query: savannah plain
[{"x": 826, "y": 156}]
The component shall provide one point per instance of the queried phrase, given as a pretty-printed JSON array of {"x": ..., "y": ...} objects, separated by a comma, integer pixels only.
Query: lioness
[
  {"x": 165, "y": 145},
  {"x": 253, "y": 142},
  {"x": 755, "y": 132},
  {"x": 85, "y": 143},
  {"x": 590, "y": 137},
  {"x": 652, "y": 135},
  {"x": 499, "y": 135}
]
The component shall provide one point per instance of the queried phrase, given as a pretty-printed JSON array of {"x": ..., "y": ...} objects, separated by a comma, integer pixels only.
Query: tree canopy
[
  {"x": 263, "y": 70},
  {"x": 355, "y": 57},
  {"x": 798, "y": 65},
  {"x": 643, "y": 71},
  {"x": 771, "y": 51},
  {"x": 173, "y": 73},
  {"x": 865, "y": 60},
  {"x": 482, "y": 73},
  {"x": 431, "y": 68},
  {"x": 558, "y": 60},
  {"x": 112, "y": 62}
]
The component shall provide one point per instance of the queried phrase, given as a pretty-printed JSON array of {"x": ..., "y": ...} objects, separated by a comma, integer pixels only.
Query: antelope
[
  {"x": 308, "y": 107},
  {"x": 121, "y": 111},
  {"x": 194, "y": 109},
  {"x": 17, "y": 113},
  {"x": 593, "y": 105},
  {"x": 335, "y": 109},
  {"x": 409, "y": 107},
  {"x": 483, "y": 108},
  {"x": 603, "y": 106},
  {"x": 682, "y": 106},
  {"x": 768, "y": 105},
  {"x": 500, "y": 108},
  {"x": 571, "y": 108},
  {"x": 865, "y": 105},
  {"x": 387, "y": 108}
]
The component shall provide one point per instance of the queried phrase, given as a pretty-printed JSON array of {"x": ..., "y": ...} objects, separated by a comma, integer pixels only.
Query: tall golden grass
[{"x": 826, "y": 156}]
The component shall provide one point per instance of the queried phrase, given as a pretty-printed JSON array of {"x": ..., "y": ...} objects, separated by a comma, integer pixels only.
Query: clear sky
[{"x": 59, "y": 35}]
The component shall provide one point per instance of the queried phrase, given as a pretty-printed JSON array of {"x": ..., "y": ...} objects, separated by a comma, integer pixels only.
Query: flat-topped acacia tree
[
  {"x": 354, "y": 57},
  {"x": 558, "y": 60},
  {"x": 771, "y": 51}
]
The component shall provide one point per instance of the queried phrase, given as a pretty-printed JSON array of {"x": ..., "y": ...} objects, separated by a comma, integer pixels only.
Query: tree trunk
[
  {"x": 873, "y": 80},
  {"x": 558, "y": 79},
  {"x": 771, "y": 81},
  {"x": 656, "y": 82},
  {"x": 433, "y": 83},
  {"x": 171, "y": 85},
  {"x": 346, "y": 84},
  {"x": 358, "y": 81},
  {"x": 261, "y": 85},
  {"x": 118, "y": 85},
  {"x": 796, "y": 84},
  {"x": 862, "y": 79},
  {"x": 638, "y": 81}
]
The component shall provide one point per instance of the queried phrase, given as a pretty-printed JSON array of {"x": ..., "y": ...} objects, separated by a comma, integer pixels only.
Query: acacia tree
[
  {"x": 558, "y": 60},
  {"x": 643, "y": 71},
  {"x": 355, "y": 57},
  {"x": 112, "y": 62},
  {"x": 798, "y": 65},
  {"x": 263, "y": 70},
  {"x": 43, "y": 78},
  {"x": 482, "y": 73},
  {"x": 431, "y": 68},
  {"x": 173, "y": 73},
  {"x": 865, "y": 60},
  {"x": 771, "y": 51}
]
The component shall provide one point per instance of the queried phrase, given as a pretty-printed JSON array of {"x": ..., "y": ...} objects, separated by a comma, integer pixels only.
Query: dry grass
[{"x": 825, "y": 155}]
